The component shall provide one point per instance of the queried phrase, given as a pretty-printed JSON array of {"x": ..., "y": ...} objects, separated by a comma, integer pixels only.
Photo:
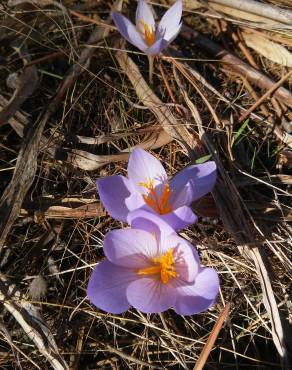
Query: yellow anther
[
  {"x": 161, "y": 204},
  {"x": 163, "y": 265},
  {"x": 148, "y": 33}
]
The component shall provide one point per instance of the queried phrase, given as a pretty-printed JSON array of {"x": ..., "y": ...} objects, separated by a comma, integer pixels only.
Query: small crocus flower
[
  {"x": 151, "y": 268},
  {"x": 145, "y": 36},
  {"x": 148, "y": 187}
]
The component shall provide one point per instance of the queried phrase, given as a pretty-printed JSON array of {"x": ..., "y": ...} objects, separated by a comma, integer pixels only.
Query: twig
[
  {"x": 264, "y": 97},
  {"x": 169, "y": 89},
  {"x": 237, "y": 38},
  {"x": 208, "y": 104},
  {"x": 212, "y": 338},
  {"x": 127, "y": 357},
  {"x": 91, "y": 20},
  {"x": 237, "y": 65}
]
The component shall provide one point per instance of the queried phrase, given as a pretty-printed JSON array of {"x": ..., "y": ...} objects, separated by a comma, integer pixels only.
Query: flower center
[
  {"x": 148, "y": 33},
  {"x": 161, "y": 204},
  {"x": 163, "y": 265}
]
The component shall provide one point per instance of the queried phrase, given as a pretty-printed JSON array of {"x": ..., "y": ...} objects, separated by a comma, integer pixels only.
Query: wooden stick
[{"x": 212, "y": 338}]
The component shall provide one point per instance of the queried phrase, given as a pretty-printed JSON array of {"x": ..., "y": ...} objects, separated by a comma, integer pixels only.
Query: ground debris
[{"x": 75, "y": 100}]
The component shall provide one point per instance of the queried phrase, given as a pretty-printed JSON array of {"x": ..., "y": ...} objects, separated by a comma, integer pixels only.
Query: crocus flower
[
  {"x": 152, "y": 269},
  {"x": 145, "y": 36},
  {"x": 147, "y": 187}
]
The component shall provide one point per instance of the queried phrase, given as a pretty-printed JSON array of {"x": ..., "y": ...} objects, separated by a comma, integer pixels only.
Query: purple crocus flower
[
  {"x": 147, "y": 187},
  {"x": 145, "y": 36},
  {"x": 152, "y": 269}
]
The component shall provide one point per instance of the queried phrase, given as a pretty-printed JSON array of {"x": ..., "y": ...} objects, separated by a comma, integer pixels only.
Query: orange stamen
[
  {"x": 148, "y": 33},
  {"x": 164, "y": 266},
  {"x": 162, "y": 204}
]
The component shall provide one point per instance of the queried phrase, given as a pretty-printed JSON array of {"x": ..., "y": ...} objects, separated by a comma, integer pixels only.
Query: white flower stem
[{"x": 151, "y": 63}]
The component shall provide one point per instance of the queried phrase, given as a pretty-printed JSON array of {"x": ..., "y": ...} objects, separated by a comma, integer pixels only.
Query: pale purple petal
[
  {"x": 181, "y": 197},
  {"x": 135, "y": 201},
  {"x": 200, "y": 295},
  {"x": 180, "y": 218},
  {"x": 169, "y": 36},
  {"x": 144, "y": 15},
  {"x": 187, "y": 261},
  {"x": 107, "y": 287},
  {"x": 157, "y": 47},
  {"x": 150, "y": 222},
  {"x": 202, "y": 178},
  {"x": 130, "y": 248},
  {"x": 113, "y": 192},
  {"x": 172, "y": 33},
  {"x": 142, "y": 167},
  {"x": 149, "y": 295},
  {"x": 171, "y": 21},
  {"x": 129, "y": 31}
]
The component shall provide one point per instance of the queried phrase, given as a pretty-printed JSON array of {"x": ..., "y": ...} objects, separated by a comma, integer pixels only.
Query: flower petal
[
  {"x": 113, "y": 192},
  {"x": 157, "y": 47},
  {"x": 142, "y": 167},
  {"x": 180, "y": 218},
  {"x": 202, "y": 178},
  {"x": 149, "y": 295},
  {"x": 172, "y": 34},
  {"x": 135, "y": 201},
  {"x": 144, "y": 15},
  {"x": 200, "y": 295},
  {"x": 150, "y": 222},
  {"x": 107, "y": 287},
  {"x": 171, "y": 22},
  {"x": 131, "y": 248},
  {"x": 187, "y": 261},
  {"x": 182, "y": 197},
  {"x": 128, "y": 31}
]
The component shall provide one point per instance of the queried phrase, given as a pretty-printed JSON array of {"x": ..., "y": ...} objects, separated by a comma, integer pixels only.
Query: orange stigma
[
  {"x": 163, "y": 266},
  {"x": 148, "y": 33},
  {"x": 160, "y": 204}
]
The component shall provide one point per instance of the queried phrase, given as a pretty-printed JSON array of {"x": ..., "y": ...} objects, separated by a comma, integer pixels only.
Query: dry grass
[{"x": 49, "y": 253}]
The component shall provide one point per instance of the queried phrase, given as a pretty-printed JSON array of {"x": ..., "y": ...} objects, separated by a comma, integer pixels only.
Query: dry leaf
[
  {"x": 269, "y": 49},
  {"x": 237, "y": 13},
  {"x": 252, "y": 7},
  {"x": 90, "y": 162}
]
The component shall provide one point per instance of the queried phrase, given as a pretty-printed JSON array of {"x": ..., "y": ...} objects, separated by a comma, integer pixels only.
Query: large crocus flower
[
  {"x": 145, "y": 36},
  {"x": 151, "y": 268},
  {"x": 147, "y": 187}
]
